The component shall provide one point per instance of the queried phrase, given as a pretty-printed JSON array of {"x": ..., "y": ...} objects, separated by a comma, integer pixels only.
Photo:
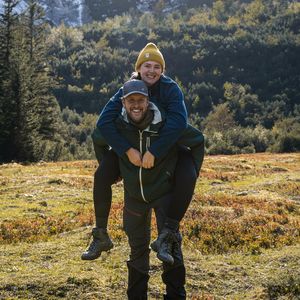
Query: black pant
[
  {"x": 108, "y": 172},
  {"x": 137, "y": 221}
]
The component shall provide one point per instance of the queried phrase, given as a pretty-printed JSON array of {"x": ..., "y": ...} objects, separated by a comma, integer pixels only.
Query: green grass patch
[{"x": 241, "y": 233}]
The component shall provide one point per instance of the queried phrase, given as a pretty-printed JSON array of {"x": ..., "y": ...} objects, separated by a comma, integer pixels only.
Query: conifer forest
[{"x": 237, "y": 63}]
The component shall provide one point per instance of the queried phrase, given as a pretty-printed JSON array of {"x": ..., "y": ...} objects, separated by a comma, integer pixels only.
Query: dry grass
[{"x": 230, "y": 189}]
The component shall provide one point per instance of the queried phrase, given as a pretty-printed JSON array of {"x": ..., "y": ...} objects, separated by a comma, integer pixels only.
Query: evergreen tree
[
  {"x": 24, "y": 115},
  {"x": 102, "y": 9},
  {"x": 8, "y": 21},
  {"x": 41, "y": 85},
  {"x": 99, "y": 9},
  {"x": 29, "y": 112},
  {"x": 282, "y": 6}
]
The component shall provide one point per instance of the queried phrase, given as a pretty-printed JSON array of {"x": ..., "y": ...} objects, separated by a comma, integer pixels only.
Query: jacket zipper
[{"x": 140, "y": 173}]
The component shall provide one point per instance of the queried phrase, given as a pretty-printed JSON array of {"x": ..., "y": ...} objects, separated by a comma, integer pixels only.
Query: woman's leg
[
  {"x": 185, "y": 177},
  {"x": 106, "y": 174}
]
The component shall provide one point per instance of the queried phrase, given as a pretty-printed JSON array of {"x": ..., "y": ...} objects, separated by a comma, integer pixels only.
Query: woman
[{"x": 166, "y": 93}]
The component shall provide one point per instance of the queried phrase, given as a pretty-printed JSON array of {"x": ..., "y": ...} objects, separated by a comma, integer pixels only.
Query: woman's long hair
[{"x": 136, "y": 75}]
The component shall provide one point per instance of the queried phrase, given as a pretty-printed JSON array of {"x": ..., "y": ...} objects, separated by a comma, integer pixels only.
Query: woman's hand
[
  {"x": 135, "y": 157},
  {"x": 148, "y": 160}
]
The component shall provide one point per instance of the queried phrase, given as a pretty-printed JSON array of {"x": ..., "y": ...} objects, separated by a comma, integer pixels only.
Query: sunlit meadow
[{"x": 241, "y": 234}]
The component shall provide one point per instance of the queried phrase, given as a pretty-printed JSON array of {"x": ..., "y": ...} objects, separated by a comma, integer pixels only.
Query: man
[{"x": 140, "y": 122}]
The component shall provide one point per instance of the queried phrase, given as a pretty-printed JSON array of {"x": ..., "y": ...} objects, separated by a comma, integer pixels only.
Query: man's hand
[
  {"x": 135, "y": 157},
  {"x": 148, "y": 160}
]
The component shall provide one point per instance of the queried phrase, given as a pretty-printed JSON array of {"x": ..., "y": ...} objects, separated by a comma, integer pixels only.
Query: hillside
[
  {"x": 237, "y": 65},
  {"x": 80, "y": 12}
]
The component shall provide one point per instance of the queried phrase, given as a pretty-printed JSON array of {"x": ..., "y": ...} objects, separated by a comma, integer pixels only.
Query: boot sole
[{"x": 168, "y": 262}]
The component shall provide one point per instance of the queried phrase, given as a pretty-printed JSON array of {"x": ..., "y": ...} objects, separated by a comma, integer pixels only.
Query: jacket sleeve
[
  {"x": 194, "y": 139},
  {"x": 100, "y": 145},
  {"x": 107, "y": 127},
  {"x": 175, "y": 124}
]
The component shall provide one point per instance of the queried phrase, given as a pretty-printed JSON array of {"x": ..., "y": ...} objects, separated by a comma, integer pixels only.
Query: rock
[{"x": 243, "y": 193}]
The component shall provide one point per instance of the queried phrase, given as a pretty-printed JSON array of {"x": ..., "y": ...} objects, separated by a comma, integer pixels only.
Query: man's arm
[{"x": 194, "y": 139}]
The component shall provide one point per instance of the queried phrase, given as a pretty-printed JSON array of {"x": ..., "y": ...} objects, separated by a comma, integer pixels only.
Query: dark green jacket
[{"x": 150, "y": 184}]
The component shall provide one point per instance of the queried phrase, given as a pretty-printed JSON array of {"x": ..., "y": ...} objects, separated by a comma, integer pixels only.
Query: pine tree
[
  {"x": 29, "y": 112},
  {"x": 99, "y": 9},
  {"x": 8, "y": 21},
  {"x": 24, "y": 113},
  {"x": 41, "y": 84},
  {"x": 282, "y": 6}
]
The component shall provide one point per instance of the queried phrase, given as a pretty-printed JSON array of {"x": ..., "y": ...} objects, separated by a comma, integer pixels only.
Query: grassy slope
[{"x": 51, "y": 268}]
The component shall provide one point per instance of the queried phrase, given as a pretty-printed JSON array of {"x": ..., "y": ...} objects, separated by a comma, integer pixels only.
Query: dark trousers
[{"x": 137, "y": 222}]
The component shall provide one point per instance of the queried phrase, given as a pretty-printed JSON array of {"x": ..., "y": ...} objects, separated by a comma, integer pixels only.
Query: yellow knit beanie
[{"x": 150, "y": 52}]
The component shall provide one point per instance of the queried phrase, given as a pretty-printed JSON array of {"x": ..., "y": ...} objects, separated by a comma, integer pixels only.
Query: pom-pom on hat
[
  {"x": 150, "y": 52},
  {"x": 134, "y": 86}
]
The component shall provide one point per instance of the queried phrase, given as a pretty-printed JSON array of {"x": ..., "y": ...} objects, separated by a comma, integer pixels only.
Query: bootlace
[
  {"x": 88, "y": 239},
  {"x": 93, "y": 245},
  {"x": 168, "y": 243}
]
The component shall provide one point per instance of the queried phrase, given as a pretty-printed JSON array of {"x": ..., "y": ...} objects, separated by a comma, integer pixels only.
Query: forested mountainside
[
  {"x": 237, "y": 65},
  {"x": 78, "y": 12},
  {"x": 246, "y": 56}
]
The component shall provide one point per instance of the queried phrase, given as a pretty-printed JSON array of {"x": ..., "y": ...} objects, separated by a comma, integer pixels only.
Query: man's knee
[{"x": 139, "y": 247}]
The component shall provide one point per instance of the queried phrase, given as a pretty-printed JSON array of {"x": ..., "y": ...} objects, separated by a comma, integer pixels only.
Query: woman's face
[{"x": 150, "y": 72}]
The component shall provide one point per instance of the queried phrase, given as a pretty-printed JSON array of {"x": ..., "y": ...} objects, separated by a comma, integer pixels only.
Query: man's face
[
  {"x": 150, "y": 72},
  {"x": 136, "y": 106}
]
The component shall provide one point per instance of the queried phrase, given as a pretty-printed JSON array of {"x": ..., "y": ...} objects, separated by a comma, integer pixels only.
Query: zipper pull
[{"x": 141, "y": 141}]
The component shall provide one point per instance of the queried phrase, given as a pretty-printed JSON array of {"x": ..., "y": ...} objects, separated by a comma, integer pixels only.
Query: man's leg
[
  {"x": 173, "y": 275},
  {"x": 106, "y": 174},
  {"x": 136, "y": 218}
]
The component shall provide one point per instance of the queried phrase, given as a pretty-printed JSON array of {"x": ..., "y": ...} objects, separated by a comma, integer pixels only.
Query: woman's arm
[
  {"x": 107, "y": 127},
  {"x": 176, "y": 121}
]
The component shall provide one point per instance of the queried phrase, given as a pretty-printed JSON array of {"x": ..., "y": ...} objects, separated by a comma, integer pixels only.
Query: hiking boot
[
  {"x": 101, "y": 242},
  {"x": 164, "y": 246}
]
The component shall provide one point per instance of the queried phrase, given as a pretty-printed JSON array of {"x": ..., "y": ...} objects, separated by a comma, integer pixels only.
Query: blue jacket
[{"x": 167, "y": 94}]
